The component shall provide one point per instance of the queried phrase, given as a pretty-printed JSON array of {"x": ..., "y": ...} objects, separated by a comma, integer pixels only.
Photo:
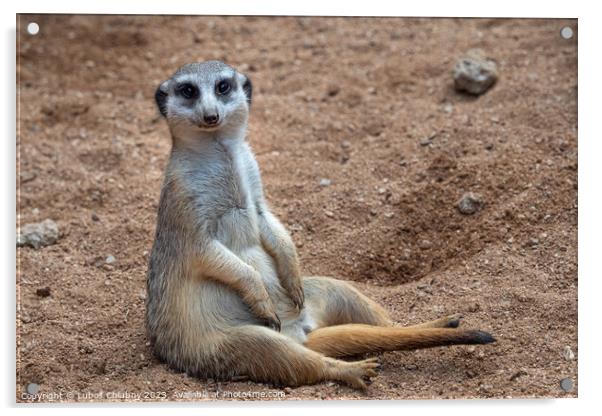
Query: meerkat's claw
[
  {"x": 295, "y": 293},
  {"x": 272, "y": 323},
  {"x": 359, "y": 373}
]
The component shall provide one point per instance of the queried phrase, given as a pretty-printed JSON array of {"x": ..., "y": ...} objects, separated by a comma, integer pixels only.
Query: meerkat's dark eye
[
  {"x": 223, "y": 87},
  {"x": 188, "y": 90}
]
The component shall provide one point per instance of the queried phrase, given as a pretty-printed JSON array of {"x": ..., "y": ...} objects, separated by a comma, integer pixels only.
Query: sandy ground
[{"x": 349, "y": 100}]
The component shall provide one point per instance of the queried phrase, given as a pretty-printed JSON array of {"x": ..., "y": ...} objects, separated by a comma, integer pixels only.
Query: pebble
[
  {"x": 329, "y": 214},
  {"x": 95, "y": 217},
  {"x": 43, "y": 292},
  {"x": 518, "y": 374},
  {"x": 470, "y": 203},
  {"x": 425, "y": 244},
  {"x": 428, "y": 140},
  {"x": 39, "y": 234},
  {"x": 474, "y": 73},
  {"x": 110, "y": 259},
  {"x": 28, "y": 176},
  {"x": 325, "y": 182},
  {"x": 333, "y": 90},
  {"x": 568, "y": 353},
  {"x": 475, "y": 307},
  {"x": 485, "y": 388}
]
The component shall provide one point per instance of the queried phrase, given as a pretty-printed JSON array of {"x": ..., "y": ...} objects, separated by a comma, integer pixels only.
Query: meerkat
[{"x": 225, "y": 294}]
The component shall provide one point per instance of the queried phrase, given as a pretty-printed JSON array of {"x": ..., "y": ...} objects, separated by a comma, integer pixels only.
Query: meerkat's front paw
[{"x": 294, "y": 288}]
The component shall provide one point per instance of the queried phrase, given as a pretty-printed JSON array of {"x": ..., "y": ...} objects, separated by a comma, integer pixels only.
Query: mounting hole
[
  {"x": 566, "y": 32},
  {"x": 33, "y": 28},
  {"x": 566, "y": 384},
  {"x": 32, "y": 388}
]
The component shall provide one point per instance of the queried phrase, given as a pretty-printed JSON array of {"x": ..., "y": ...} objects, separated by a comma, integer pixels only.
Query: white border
[{"x": 590, "y": 96}]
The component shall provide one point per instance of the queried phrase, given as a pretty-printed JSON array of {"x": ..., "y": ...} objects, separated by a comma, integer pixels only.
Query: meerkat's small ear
[
  {"x": 161, "y": 98},
  {"x": 247, "y": 87}
]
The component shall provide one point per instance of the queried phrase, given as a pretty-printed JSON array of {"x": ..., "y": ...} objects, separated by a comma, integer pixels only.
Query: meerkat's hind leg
[
  {"x": 336, "y": 302},
  {"x": 268, "y": 356},
  {"x": 450, "y": 321}
]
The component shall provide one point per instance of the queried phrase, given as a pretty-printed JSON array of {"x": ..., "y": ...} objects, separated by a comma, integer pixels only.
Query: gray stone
[
  {"x": 470, "y": 203},
  {"x": 39, "y": 234},
  {"x": 474, "y": 73}
]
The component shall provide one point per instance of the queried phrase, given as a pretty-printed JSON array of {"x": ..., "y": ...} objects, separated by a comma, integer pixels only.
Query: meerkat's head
[{"x": 205, "y": 97}]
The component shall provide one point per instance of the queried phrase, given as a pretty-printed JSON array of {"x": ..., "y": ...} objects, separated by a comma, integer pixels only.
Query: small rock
[
  {"x": 333, "y": 90},
  {"x": 428, "y": 140},
  {"x": 485, "y": 388},
  {"x": 28, "y": 176},
  {"x": 345, "y": 144},
  {"x": 470, "y": 374},
  {"x": 518, "y": 374},
  {"x": 489, "y": 146},
  {"x": 533, "y": 242},
  {"x": 329, "y": 214},
  {"x": 43, "y": 292},
  {"x": 425, "y": 244},
  {"x": 470, "y": 203},
  {"x": 287, "y": 390},
  {"x": 325, "y": 182},
  {"x": 39, "y": 234},
  {"x": 95, "y": 217},
  {"x": 474, "y": 73},
  {"x": 110, "y": 259},
  {"x": 568, "y": 353},
  {"x": 475, "y": 307}
]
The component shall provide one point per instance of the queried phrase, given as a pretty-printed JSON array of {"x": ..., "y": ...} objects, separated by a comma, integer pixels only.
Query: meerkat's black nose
[{"x": 211, "y": 119}]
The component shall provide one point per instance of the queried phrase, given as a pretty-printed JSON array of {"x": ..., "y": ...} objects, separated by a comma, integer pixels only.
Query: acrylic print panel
[{"x": 429, "y": 163}]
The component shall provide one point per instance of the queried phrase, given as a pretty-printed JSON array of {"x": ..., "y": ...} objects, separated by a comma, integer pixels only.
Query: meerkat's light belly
[{"x": 238, "y": 230}]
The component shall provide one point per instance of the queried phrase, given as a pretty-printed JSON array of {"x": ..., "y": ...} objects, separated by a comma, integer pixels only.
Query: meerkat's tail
[{"x": 353, "y": 339}]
